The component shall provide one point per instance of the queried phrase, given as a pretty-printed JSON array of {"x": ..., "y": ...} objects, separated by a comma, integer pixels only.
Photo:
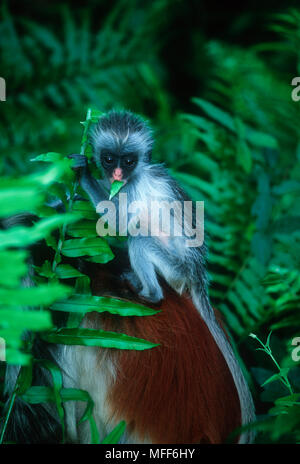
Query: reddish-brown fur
[{"x": 179, "y": 392}]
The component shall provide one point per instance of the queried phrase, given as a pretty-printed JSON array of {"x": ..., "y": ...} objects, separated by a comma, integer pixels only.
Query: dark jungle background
[{"x": 215, "y": 81}]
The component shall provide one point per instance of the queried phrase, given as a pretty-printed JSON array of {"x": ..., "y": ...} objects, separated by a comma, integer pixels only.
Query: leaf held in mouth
[{"x": 115, "y": 188}]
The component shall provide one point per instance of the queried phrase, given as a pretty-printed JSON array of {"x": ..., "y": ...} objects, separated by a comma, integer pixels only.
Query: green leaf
[
  {"x": 23, "y": 236},
  {"x": 96, "y": 114},
  {"x": 57, "y": 387},
  {"x": 216, "y": 113},
  {"x": 24, "y": 379},
  {"x": 44, "y": 294},
  {"x": 91, "y": 337},
  {"x": 90, "y": 246},
  {"x": 115, "y": 188},
  {"x": 16, "y": 357},
  {"x": 12, "y": 337},
  {"x": 29, "y": 320},
  {"x": 12, "y": 267},
  {"x": 290, "y": 321},
  {"x": 39, "y": 394},
  {"x": 47, "y": 177},
  {"x": 286, "y": 224},
  {"x": 19, "y": 199},
  {"x": 100, "y": 259},
  {"x": 244, "y": 156},
  {"x": 260, "y": 139},
  {"x": 82, "y": 285},
  {"x": 194, "y": 181},
  {"x": 45, "y": 270},
  {"x": 114, "y": 436},
  {"x": 287, "y": 186},
  {"x": 253, "y": 136},
  {"x": 288, "y": 400},
  {"x": 83, "y": 229},
  {"x": 45, "y": 226},
  {"x": 73, "y": 394},
  {"x": 66, "y": 271},
  {"x": 268, "y": 339},
  {"x": 272, "y": 379},
  {"x": 85, "y": 210},
  {"x": 87, "y": 303},
  {"x": 51, "y": 157}
]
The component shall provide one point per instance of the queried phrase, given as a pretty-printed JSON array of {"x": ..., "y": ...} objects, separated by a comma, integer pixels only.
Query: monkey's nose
[{"x": 117, "y": 174}]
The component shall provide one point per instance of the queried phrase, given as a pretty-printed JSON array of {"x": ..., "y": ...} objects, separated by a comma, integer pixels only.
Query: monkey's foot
[
  {"x": 133, "y": 280},
  {"x": 152, "y": 297}
]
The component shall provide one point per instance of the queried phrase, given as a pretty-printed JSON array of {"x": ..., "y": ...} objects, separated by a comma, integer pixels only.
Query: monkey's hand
[
  {"x": 91, "y": 186},
  {"x": 80, "y": 162}
]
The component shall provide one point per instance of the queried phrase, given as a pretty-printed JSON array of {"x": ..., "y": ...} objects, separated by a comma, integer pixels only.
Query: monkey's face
[
  {"x": 118, "y": 166},
  {"x": 122, "y": 144}
]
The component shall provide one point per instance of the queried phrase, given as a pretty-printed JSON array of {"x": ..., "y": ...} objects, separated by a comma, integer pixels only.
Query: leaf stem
[
  {"x": 266, "y": 348},
  {"x": 10, "y": 407}
]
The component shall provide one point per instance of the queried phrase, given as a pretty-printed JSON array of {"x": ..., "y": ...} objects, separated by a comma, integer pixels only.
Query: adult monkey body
[{"x": 122, "y": 145}]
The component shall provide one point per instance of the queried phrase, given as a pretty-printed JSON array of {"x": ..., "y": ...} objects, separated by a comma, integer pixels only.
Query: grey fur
[
  {"x": 246, "y": 401},
  {"x": 122, "y": 130}
]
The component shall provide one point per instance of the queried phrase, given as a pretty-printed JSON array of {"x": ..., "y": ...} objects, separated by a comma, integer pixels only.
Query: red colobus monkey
[{"x": 189, "y": 389}]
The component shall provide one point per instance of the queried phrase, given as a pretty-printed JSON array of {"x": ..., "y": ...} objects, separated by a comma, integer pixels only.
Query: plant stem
[
  {"x": 63, "y": 229},
  {"x": 10, "y": 407},
  {"x": 283, "y": 377}
]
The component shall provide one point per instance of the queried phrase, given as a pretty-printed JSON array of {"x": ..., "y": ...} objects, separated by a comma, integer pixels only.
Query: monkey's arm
[{"x": 90, "y": 185}]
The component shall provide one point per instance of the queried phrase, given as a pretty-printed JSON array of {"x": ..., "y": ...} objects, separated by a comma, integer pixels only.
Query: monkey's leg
[
  {"x": 143, "y": 267},
  {"x": 173, "y": 269},
  {"x": 91, "y": 186}
]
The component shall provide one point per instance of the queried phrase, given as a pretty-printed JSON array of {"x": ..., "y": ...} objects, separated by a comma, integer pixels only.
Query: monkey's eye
[
  {"x": 130, "y": 162},
  {"x": 108, "y": 159}
]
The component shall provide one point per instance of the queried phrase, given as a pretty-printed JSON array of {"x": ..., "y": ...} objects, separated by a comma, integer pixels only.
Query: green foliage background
[{"x": 217, "y": 89}]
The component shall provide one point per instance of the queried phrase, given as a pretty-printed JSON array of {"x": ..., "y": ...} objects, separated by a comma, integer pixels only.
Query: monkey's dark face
[
  {"x": 118, "y": 166},
  {"x": 122, "y": 143}
]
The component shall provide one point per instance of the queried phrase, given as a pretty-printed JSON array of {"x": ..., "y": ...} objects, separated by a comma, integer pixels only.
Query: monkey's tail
[{"x": 246, "y": 402}]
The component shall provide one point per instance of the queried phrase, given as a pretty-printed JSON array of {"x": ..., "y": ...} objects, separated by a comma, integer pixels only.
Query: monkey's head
[{"x": 122, "y": 144}]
